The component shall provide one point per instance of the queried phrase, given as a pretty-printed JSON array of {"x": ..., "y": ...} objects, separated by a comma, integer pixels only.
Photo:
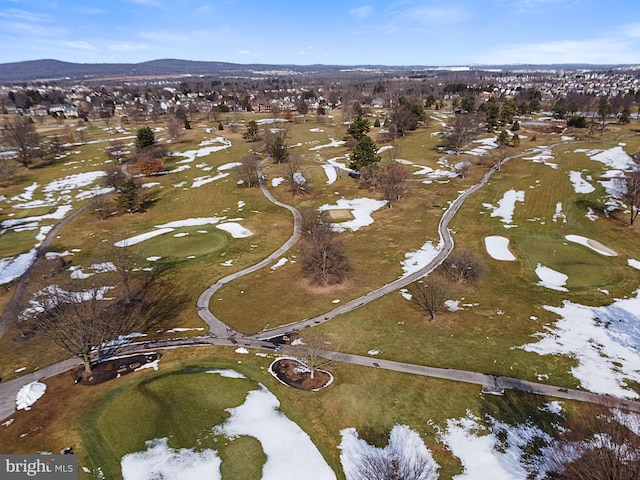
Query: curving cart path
[
  {"x": 217, "y": 327},
  {"x": 221, "y": 334}
]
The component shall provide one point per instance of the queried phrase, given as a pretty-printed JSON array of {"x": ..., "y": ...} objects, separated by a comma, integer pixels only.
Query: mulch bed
[
  {"x": 113, "y": 368},
  {"x": 297, "y": 375}
]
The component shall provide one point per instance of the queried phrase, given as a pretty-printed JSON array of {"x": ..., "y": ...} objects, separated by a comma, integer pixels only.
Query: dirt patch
[
  {"x": 113, "y": 368},
  {"x": 329, "y": 289},
  {"x": 297, "y": 375}
]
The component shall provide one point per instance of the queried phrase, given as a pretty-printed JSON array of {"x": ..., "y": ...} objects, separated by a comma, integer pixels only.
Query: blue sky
[{"x": 341, "y": 32}]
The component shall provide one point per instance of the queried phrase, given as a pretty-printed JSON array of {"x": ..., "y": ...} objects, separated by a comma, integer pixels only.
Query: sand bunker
[
  {"x": 592, "y": 244},
  {"x": 498, "y": 248}
]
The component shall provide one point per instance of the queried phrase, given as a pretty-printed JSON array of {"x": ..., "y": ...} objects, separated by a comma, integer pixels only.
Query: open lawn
[
  {"x": 496, "y": 316},
  {"x": 183, "y": 403}
]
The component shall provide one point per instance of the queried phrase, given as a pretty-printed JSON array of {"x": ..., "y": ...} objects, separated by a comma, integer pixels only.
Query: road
[{"x": 221, "y": 334}]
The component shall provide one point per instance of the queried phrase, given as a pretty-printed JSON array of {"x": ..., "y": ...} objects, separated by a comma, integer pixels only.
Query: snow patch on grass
[
  {"x": 549, "y": 278},
  {"x": 506, "y": 205},
  {"x": 420, "y": 258},
  {"x": 291, "y": 455},
  {"x": 161, "y": 461},
  {"x": 29, "y": 394},
  {"x": 361, "y": 209},
  {"x": 405, "y": 447},
  {"x": 603, "y": 340}
]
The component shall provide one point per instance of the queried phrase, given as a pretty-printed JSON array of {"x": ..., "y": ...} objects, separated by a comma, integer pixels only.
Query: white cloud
[
  {"x": 16, "y": 14},
  {"x": 244, "y": 52},
  {"x": 362, "y": 12},
  {"x": 149, "y": 3},
  {"x": 163, "y": 36},
  {"x": 434, "y": 15},
  {"x": 81, "y": 45},
  {"x": 29, "y": 25},
  {"x": 528, "y": 4},
  {"x": 91, "y": 11}
]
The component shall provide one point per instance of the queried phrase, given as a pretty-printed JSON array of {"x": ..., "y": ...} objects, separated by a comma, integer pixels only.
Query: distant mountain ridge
[
  {"x": 59, "y": 70},
  {"x": 52, "y": 70}
]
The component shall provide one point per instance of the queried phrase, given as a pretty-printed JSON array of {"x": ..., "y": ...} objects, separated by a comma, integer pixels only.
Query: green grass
[
  {"x": 182, "y": 405},
  {"x": 481, "y": 338}
]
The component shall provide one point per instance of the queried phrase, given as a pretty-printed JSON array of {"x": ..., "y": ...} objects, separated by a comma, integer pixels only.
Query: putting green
[
  {"x": 185, "y": 242},
  {"x": 585, "y": 268},
  {"x": 182, "y": 406}
]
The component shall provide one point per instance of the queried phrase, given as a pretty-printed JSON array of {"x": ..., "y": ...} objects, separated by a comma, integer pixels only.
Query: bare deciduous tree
[
  {"x": 461, "y": 132},
  {"x": 101, "y": 204},
  {"x": 463, "y": 266},
  {"x": 369, "y": 177},
  {"x": 323, "y": 254},
  {"x": 393, "y": 178},
  {"x": 294, "y": 178},
  {"x": 631, "y": 187},
  {"x": 311, "y": 351},
  {"x": 310, "y": 219},
  {"x": 247, "y": 171},
  {"x": 148, "y": 163},
  {"x": 396, "y": 461},
  {"x": 430, "y": 294},
  {"x": 114, "y": 177},
  {"x": 463, "y": 168},
  {"x": 174, "y": 129},
  {"x": 497, "y": 157},
  {"x": 596, "y": 445},
  {"x": 74, "y": 320},
  {"x": 19, "y": 133},
  {"x": 82, "y": 317}
]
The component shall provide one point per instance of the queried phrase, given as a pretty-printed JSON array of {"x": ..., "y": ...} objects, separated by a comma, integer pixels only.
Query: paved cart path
[{"x": 221, "y": 334}]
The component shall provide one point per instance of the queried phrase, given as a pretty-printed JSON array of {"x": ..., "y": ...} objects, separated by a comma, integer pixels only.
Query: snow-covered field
[
  {"x": 542, "y": 155},
  {"x": 63, "y": 192},
  {"x": 405, "y": 446},
  {"x": 580, "y": 185},
  {"x": 58, "y": 195},
  {"x": 487, "y": 448},
  {"x": 334, "y": 143},
  {"x": 234, "y": 228},
  {"x": 603, "y": 340},
  {"x": 420, "y": 258}
]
